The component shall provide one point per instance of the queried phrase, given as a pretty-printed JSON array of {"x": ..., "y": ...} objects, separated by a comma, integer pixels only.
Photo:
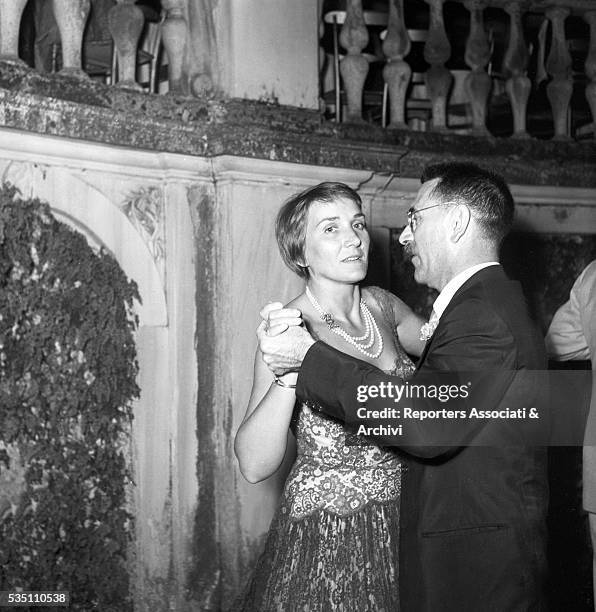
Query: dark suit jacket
[{"x": 474, "y": 497}]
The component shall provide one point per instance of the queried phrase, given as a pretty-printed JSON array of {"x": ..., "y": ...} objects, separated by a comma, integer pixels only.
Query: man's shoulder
[
  {"x": 489, "y": 289},
  {"x": 503, "y": 298},
  {"x": 474, "y": 309},
  {"x": 493, "y": 301},
  {"x": 498, "y": 308}
]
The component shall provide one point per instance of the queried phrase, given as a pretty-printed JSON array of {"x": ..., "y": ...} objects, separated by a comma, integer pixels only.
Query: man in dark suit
[{"x": 475, "y": 494}]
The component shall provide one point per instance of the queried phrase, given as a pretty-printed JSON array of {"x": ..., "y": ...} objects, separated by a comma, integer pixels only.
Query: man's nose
[{"x": 406, "y": 236}]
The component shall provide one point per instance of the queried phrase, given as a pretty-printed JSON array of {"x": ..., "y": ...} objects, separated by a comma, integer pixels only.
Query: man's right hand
[{"x": 283, "y": 339}]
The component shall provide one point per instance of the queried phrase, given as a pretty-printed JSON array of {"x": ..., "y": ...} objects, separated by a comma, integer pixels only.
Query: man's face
[{"x": 423, "y": 237}]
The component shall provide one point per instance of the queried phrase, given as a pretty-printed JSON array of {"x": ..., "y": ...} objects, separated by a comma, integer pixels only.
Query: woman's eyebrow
[{"x": 327, "y": 219}]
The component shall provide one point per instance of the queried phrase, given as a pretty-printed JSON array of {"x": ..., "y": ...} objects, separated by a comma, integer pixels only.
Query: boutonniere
[{"x": 427, "y": 330}]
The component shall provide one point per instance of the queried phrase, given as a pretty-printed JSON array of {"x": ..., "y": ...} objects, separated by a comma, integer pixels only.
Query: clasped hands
[{"x": 283, "y": 338}]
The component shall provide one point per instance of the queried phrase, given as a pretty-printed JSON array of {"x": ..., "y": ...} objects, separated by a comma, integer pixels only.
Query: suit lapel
[{"x": 479, "y": 277}]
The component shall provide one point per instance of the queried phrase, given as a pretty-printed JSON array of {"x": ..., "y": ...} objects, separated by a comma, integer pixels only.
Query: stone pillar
[
  {"x": 282, "y": 34},
  {"x": 477, "y": 56},
  {"x": 590, "y": 65},
  {"x": 125, "y": 22},
  {"x": 10, "y": 22},
  {"x": 558, "y": 65},
  {"x": 515, "y": 63},
  {"x": 354, "y": 67},
  {"x": 71, "y": 17},
  {"x": 397, "y": 73},
  {"x": 173, "y": 34},
  {"x": 437, "y": 51}
]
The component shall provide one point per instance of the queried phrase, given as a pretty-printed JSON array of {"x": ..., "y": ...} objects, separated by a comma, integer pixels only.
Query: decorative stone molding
[
  {"x": 144, "y": 208},
  {"x": 193, "y": 129},
  {"x": 539, "y": 209},
  {"x": 90, "y": 212}
]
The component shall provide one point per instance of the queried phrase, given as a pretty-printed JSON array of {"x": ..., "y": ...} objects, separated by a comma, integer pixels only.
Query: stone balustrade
[
  {"x": 125, "y": 24},
  {"x": 549, "y": 47},
  {"x": 537, "y": 65}
]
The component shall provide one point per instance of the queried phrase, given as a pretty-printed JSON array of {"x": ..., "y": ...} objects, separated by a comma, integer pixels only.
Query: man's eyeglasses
[{"x": 412, "y": 212}]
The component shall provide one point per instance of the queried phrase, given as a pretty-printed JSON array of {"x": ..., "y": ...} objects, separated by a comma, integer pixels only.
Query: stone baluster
[
  {"x": 11, "y": 12},
  {"x": 125, "y": 22},
  {"x": 173, "y": 33},
  {"x": 397, "y": 73},
  {"x": 590, "y": 65},
  {"x": 354, "y": 66},
  {"x": 478, "y": 83},
  {"x": 71, "y": 17},
  {"x": 436, "y": 52},
  {"x": 515, "y": 63},
  {"x": 322, "y": 57},
  {"x": 558, "y": 65}
]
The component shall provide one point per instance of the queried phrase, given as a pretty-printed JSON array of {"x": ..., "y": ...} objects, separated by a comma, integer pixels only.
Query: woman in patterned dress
[{"x": 333, "y": 542}]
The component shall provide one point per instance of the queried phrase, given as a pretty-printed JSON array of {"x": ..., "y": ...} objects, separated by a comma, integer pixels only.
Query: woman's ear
[{"x": 302, "y": 261}]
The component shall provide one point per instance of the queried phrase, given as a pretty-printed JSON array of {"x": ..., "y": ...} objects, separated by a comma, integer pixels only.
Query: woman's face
[{"x": 337, "y": 241}]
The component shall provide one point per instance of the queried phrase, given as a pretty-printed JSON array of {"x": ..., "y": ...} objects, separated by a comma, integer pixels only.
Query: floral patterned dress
[{"x": 333, "y": 542}]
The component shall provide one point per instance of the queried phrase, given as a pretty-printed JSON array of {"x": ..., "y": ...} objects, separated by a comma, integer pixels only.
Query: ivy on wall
[{"x": 67, "y": 377}]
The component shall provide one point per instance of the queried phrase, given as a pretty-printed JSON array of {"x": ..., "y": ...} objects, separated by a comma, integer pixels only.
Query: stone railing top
[{"x": 84, "y": 110}]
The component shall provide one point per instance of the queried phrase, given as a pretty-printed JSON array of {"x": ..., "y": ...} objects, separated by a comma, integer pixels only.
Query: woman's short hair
[{"x": 290, "y": 225}]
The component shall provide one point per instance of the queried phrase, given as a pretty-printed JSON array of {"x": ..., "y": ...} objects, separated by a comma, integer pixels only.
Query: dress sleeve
[{"x": 383, "y": 299}]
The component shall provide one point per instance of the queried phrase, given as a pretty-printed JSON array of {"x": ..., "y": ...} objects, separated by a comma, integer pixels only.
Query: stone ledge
[{"x": 87, "y": 110}]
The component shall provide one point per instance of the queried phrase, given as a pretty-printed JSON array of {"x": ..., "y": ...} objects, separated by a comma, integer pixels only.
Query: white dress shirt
[{"x": 450, "y": 289}]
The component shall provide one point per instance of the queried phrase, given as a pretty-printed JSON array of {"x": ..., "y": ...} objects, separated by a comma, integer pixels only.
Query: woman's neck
[{"x": 342, "y": 301}]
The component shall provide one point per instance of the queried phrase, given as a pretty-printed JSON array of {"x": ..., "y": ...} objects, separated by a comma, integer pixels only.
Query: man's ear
[{"x": 459, "y": 217}]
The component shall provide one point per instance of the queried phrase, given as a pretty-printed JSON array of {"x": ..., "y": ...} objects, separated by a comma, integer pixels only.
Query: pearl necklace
[{"x": 361, "y": 343}]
